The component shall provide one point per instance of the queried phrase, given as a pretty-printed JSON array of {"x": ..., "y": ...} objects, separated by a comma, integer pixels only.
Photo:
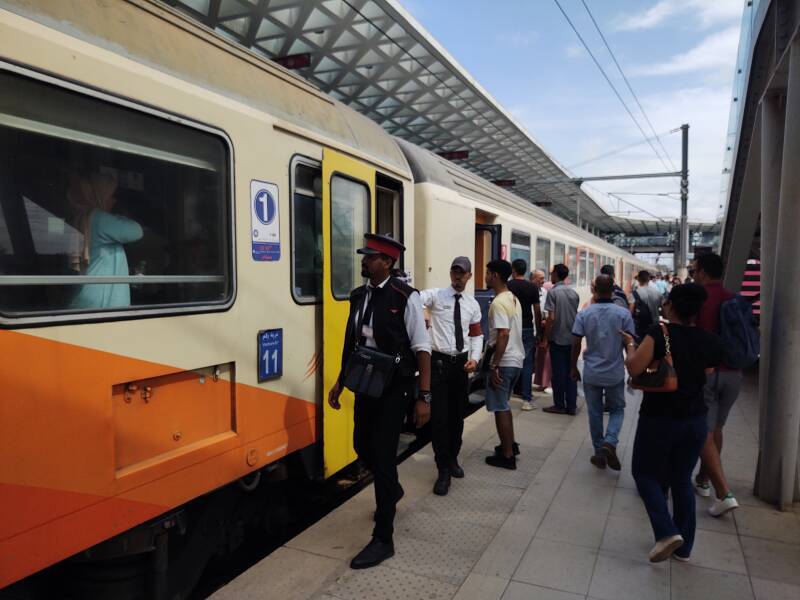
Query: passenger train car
[{"x": 178, "y": 220}]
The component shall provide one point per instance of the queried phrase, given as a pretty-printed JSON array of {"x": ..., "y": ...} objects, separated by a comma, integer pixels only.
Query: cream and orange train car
[
  {"x": 458, "y": 212},
  {"x": 177, "y": 232}
]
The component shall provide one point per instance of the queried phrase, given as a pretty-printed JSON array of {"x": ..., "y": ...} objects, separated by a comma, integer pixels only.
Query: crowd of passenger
[{"x": 665, "y": 338}]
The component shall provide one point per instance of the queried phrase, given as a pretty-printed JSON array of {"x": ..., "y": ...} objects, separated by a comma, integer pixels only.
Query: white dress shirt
[
  {"x": 441, "y": 303},
  {"x": 413, "y": 318}
]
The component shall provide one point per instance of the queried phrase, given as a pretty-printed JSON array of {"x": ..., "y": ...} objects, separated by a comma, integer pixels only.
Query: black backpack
[{"x": 642, "y": 317}]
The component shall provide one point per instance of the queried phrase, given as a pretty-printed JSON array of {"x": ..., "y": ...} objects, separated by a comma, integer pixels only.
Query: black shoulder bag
[{"x": 368, "y": 371}]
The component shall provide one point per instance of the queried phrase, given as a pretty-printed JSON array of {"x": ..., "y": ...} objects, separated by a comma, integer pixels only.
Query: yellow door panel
[{"x": 348, "y": 198}]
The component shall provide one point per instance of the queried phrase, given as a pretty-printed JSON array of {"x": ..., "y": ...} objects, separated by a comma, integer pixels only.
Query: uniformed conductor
[
  {"x": 392, "y": 323},
  {"x": 457, "y": 343}
]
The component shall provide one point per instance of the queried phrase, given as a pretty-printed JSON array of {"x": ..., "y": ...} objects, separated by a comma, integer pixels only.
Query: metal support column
[
  {"x": 772, "y": 123},
  {"x": 683, "y": 257},
  {"x": 779, "y": 446}
]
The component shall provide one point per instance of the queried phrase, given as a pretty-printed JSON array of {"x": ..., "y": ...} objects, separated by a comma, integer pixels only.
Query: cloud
[
  {"x": 574, "y": 51},
  {"x": 706, "y": 13},
  {"x": 717, "y": 51}
]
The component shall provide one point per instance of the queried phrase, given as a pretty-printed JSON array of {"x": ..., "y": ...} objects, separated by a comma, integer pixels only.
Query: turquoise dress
[{"x": 106, "y": 259}]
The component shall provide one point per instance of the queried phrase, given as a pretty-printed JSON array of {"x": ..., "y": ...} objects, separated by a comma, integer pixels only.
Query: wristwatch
[{"x": 425, "y": 396}]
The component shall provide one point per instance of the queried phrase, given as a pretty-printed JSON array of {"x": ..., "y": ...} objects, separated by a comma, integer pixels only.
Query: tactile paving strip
[
  {"x": 475, "y": 465},
  {"x": 384, "y": 583},
  {"x": 480, "y": 502},
  {"x": 447, "y": 530},
  {"x": 429, "y": 559}
]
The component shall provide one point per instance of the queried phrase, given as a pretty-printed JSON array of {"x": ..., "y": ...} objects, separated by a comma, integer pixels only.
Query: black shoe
[
  {"x": 373, "y": 554},
  {"x": 514, "y": 446},
  {"x": 501, "y": 461},
  {"x": 456, "y": 470},
  {"x": 442, "y": 485},
  {"x": 611, "y": 457},
  {"x": 598, "y": 460},
  {"x": 556, "y": 410}
]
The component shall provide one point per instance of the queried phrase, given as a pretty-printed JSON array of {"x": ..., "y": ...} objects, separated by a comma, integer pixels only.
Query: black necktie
[{"x": 457, "y": 322}]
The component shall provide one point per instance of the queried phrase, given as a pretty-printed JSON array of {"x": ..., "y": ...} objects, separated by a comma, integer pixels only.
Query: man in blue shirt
[{"x": 603, "y": 368}]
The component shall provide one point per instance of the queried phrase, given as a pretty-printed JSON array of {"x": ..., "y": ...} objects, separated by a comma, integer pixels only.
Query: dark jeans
[
  {"x": 378, "y": 422},
  {"x": 665, "y": 452},
  {"x": 449, "y": 389},
  {"x": 565, "y": 389}
]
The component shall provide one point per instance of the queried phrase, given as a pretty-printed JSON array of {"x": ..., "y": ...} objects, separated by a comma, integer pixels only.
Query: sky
[{"x": 678, "y": 56}]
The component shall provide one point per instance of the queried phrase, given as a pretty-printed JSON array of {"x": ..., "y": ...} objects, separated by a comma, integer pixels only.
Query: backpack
[
  {"x": 739, "y": 333},
  {"x": 642, "y": 318}
]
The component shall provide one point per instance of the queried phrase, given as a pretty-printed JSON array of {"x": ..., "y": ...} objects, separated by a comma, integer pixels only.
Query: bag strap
[{"x": 667, "y": 349}]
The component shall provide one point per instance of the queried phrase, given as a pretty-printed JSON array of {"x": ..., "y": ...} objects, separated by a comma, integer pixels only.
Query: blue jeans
[
  {"x": 497, "y": 397},
  {"x": 565, "y": 390},
  {"x": 526, "y": 377},
  {"x": 665, "y": 452},
  {"x": 615, "y": 400}
]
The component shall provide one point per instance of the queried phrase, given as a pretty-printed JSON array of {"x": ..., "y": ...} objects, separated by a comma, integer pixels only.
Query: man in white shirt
[
  {"x": 507, "y": 354},
  {"x": 456, "y": 342}
]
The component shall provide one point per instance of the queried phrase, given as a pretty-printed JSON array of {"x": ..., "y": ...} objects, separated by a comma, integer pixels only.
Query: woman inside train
[{"x": 92, "y": 197}]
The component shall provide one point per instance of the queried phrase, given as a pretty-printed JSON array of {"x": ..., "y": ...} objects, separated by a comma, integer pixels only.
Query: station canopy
[{"x": 375, "y": 57}]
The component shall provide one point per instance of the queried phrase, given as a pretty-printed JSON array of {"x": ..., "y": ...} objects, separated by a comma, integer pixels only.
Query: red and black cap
[{"x": 381, "y": 244}]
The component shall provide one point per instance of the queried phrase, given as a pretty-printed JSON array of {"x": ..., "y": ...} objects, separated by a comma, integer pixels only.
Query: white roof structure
[{"x": 375, "y": 57}]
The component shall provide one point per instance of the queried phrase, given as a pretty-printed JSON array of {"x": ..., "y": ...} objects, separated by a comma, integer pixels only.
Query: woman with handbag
[{"x": 670, "y": 366}]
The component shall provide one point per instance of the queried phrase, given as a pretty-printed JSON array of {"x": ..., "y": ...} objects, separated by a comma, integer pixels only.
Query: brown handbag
[{"x": 660, "y": 375}]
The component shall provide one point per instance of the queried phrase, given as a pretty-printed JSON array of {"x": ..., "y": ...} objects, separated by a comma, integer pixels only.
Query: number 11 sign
[{"x": 270, "y": 354}]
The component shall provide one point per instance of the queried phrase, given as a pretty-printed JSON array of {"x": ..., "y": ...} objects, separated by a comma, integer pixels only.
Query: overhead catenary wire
[
  {"x": 627, "y": 83},
  {"x": 608, "y": 80},
  {"x": 621, "y": 149}
]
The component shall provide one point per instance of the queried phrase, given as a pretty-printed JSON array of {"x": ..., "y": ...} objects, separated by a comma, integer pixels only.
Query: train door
[
  {"x": 348, "y": 212},
  {"x": 487, "y": 248}
]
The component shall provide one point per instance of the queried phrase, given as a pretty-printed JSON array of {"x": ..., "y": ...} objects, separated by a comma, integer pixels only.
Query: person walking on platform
[
  {"x": 386, "y": 319},
  {"x": 721, "y": 391},
  {"x": 672, "y": 424},
  {"x": 603, "y": 368},
  {"x": 561, "y": 307},
  {"x": 618, "y": 297},
  {"x": 646, "y": 305},
  {"x": 528, "y": 296},
  {"x": 457, "y": 342},
  {"x": 543, "y": 371},
  {"x": 505, "y": 354}
]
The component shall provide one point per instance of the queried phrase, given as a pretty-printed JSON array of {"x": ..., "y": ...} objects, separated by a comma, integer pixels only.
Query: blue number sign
[{"x": 270, "y": 354}]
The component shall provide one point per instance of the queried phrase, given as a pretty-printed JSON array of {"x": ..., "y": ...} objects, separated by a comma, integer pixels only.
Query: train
[{"x": 177, "y": 231}]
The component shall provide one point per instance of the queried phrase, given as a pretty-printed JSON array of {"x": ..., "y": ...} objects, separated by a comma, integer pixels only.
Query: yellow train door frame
[{"x": 337, "y": 425}]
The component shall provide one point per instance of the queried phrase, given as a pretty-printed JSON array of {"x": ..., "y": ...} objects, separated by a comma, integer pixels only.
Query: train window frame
[
  {"x": 516, "y": 245},
  {"x": 300, "y": 159},
  {"x": 549, "y": 265},
  {"x": 368, "y": 228},
  {"x": 564, "y": 258},
  {"x": 62, "y": 317}
]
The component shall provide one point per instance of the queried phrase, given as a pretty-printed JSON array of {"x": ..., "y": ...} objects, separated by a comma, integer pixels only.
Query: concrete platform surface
[{"x": 555, "y": 529}]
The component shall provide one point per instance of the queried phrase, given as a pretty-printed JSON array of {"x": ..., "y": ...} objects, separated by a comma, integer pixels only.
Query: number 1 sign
[{"x": 270, "y": 354}]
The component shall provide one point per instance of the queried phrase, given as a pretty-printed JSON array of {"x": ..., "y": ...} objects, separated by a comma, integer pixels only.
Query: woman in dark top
[{"x": 672, "y": 426}]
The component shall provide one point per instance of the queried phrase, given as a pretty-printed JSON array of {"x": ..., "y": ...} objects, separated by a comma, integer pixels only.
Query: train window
[
  {"x": 521, "y": 248},
  {"x": 106, "y": 208},
  {"x": 306, "y": 232},
  {"x": 349, "y": 223},
  {"x": 560, "y": 253},
  {"x": 573, "y": 265},
  {"x": 543, "y": 255},
  {"x": 582, "y": 267},
  {"x": 592, "y": 266}
]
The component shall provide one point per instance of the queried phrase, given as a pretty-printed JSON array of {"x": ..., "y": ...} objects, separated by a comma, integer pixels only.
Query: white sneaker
[
  {"x": 721, "y": 506},
  {"x": 702, "y": 488},
  {"x": 548, "y": 391},
  {"x": 665, "y": 547},
  {"x": 528, "y": 406}
]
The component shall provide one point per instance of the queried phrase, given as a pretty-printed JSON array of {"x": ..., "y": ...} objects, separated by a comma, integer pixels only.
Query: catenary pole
[{"x": 683, "y": 255}]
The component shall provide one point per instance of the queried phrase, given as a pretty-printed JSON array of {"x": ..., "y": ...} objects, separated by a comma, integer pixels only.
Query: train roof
[
  {"x": 157, "y": 36},
  {"x": 429, "y": 167}
]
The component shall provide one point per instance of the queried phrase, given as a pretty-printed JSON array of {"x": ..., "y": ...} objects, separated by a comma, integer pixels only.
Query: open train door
[{"x": 348, "y": 209}]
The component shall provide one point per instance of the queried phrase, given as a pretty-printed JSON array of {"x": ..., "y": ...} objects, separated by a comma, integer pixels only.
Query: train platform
[{"x": 555, "y": 529}]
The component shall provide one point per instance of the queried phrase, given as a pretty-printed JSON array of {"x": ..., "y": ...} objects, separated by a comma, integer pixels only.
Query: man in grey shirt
[
  {"x": 561, "y": 307},
  {"x": 646, "y": 304}
]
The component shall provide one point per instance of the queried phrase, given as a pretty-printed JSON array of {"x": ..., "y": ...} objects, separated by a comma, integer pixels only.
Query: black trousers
[
  {"x": 378, "y": 422},
  {"x": 449, "y": 389}
]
